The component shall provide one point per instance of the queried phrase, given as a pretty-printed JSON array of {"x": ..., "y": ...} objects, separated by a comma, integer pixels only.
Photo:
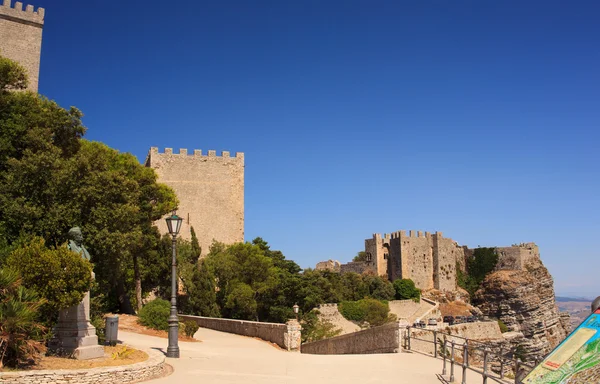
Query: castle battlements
[
  {"x": 154, "y": 155},
  {"x": 411, "y": 234},
  {"x": 16, "y": 13},
  {"x": 195, "y": 153}
]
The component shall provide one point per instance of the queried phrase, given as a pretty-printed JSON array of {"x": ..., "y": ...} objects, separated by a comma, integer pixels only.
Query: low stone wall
[
  {"x": 286, "y": 336},
  {"x": 145, "y": 370},
  {"x": 478, "y": 331},
  {"x": 384, "y": 339}
]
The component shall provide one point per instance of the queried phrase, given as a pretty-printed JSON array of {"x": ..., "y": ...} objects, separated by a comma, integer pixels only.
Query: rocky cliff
[{"x": 524, "y": 301}]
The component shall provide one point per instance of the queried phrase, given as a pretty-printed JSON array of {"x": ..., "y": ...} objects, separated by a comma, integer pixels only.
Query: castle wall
[
  {"x": 377, "y": 252},
  {"x": 417, "y": 250},
  {"x": 210, "y": 190},
  {"x": 329, "y": 265},
  {"x": 21, "y": 37},
  {"x": 446, "y": 254},
  {"x": 517, "y": 256},
  {"x": 359, "y": 267}
]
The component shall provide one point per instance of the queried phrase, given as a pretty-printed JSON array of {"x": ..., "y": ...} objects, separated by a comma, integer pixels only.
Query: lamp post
[
  {"x": 174, "y": 225},
  {"x": 296, "y": 308}
]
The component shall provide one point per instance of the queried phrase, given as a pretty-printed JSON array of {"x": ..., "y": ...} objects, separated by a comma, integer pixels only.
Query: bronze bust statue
[{"x": 76, "y": 242}]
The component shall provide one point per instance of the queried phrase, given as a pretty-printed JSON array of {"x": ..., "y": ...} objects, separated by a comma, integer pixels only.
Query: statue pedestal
[{"x": 74, "y": 334}]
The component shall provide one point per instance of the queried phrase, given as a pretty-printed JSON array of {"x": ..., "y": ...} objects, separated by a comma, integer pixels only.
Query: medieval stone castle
[
  {"x": 210, "y": 188},
  {"x": 21, "y": 37},
  {"x": 429, "y": 259}
]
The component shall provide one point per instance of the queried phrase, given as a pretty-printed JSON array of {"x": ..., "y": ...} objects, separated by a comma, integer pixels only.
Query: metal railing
[{"x": 473, "y": 355}]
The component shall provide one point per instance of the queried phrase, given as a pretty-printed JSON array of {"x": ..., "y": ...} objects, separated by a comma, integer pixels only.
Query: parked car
[
  {"x": 459, "y": 319},
  {"x": 432, "y": 321},
  {"x": 449, "y": 319},
  {"x": 471, "y": 319}
]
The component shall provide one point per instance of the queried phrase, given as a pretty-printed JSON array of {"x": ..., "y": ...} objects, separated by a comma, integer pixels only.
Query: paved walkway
[{"x": 225, "y": 358}]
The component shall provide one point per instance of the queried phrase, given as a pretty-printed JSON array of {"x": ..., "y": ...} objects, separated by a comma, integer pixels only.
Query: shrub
[
  {"x": 503, "y": 327},
  {"x": 20, "y": 334},
  {"x": 58, "y": 275},
  {"x": 352, "y": 310},
  {"x": 190, "y": 328},
  {"x": 155, "y": 314},
  {"x": 375, "y": 312},
  {"x": 406, "y": 289}
]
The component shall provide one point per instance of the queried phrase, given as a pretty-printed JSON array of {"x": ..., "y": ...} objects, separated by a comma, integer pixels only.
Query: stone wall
[
  {"x": 286, "y": 336},
  {"x": 479, "y": 331},
  {"x": 384, "y": 339},
  {"x": 210, "y": 190},
  {"x": 356, "y": 267},
  {"x": 517, "y": 256},
  {"x": 21, "y": 37},
  {"x": 133, "y": 373},
  {"x": 329, "y": 265}
]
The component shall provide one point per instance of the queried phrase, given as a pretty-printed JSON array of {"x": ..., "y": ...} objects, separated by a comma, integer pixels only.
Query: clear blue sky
[{"x": 477, "y": 119}]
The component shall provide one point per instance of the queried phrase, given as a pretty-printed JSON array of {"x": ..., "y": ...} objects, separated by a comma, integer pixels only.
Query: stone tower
[
  {"x": 210, "y": 190},
  {"x": 21, "y": 37}
]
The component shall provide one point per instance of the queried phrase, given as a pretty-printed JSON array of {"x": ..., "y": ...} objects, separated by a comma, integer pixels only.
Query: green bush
[
  {"x": 155, "y": 314},
  {"x": 190, "y": 328},
  {"x": 503, "y": 327},
  {"x": 375, "y": 312},
  {"x": 58, "y": 275},
  {"x": 406, "y": 289},
  {"x": 352, "y": 310}
]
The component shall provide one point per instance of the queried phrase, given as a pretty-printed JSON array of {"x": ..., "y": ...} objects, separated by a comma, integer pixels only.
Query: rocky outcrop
[{"x": 524, "y": 301}]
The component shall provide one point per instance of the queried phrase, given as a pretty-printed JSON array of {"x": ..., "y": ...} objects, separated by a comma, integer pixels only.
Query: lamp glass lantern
[
  {"x": 296, "y": 309},
  {"x": 174, "y": 223}
]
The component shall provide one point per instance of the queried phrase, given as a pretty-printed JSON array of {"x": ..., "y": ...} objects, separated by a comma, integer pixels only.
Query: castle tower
[
  {"x": 21, "y": 37},
  {"x": 210, "y": 190}
]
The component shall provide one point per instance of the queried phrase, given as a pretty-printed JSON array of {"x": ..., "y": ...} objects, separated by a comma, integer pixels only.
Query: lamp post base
[{"x": 173, "y": 352}]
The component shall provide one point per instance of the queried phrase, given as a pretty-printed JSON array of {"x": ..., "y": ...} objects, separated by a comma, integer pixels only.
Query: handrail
[{"x": 469, "y": 346}]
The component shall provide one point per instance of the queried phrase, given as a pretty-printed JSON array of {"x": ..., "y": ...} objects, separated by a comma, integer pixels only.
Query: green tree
[
  {"x": 201, "y": 295},
  {"x": 196, "y": 250},
  {"x": 406, "y": 289},
  {"x": 244, "y": 276},
  {"x": 360, "y": 256},
  {"x": 380, "y": 288},
  {"x": 482, "y": 263},
  {"x": 12, "y": 75}
]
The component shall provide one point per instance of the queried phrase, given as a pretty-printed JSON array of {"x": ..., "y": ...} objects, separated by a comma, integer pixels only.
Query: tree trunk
[{"x": 138, "y": 283}]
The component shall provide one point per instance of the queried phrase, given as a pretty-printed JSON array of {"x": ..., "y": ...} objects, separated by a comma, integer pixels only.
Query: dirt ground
[
  {"x": 130, "y": 323},
  {"x": 113, "y": 356},
  {"x": 455, "y": 308}
]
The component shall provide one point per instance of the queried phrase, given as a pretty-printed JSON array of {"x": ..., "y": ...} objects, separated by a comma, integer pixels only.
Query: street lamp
[
  {"x": 296, "y": 308},
  {"x": 174, "y": 225}
]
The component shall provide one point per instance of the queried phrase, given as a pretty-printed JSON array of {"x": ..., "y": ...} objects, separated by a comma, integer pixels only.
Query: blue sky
[{"x": 477, "y": 119}]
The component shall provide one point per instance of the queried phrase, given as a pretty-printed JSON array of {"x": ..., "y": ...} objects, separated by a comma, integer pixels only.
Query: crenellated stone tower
[
  {"x": 210, "y": 190},
  {"x": 21, "y": 37},
  {"x": 429, "y": 259}
]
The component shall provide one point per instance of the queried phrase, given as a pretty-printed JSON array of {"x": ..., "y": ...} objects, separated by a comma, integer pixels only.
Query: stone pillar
[
  {"x": 74, "y": 334},
  {"x": 293, "y": 335}
]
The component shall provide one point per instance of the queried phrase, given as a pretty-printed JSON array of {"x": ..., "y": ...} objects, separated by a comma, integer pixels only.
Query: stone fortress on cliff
[
  {"x": 21, "y": 37},
  {"x": 429, "y": 259},
  {"x": 210, "y": 190}
]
